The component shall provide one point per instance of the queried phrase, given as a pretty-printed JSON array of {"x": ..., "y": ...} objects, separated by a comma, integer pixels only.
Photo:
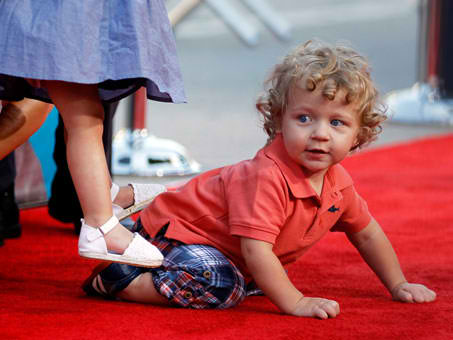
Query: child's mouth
[{"x": 317, "y": 151}]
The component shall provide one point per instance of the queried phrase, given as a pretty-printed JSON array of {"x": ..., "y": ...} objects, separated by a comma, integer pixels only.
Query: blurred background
[
  {"x": 226, "y": 50},
  {"x": 223, "y": 73}
]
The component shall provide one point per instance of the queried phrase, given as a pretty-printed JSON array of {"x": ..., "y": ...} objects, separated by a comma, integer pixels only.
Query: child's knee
[{"x": 198, "y": 276}]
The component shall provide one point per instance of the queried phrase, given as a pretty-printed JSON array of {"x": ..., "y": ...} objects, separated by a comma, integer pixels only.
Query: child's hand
[
  {"x": 413, "y": 292},
  {"x": 316, "y": 307}
]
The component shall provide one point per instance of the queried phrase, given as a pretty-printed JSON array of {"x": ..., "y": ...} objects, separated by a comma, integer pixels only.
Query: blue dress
[{"x": 120, "y": 45}]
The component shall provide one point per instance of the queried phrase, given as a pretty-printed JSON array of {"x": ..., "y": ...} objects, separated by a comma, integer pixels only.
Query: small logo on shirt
[{"x": 333, "y": 208}]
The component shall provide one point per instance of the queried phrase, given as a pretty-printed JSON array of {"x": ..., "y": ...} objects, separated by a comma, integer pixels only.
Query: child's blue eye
[
  {"x": 304, "y": 118},
  {"x": 336, "y": 122}
]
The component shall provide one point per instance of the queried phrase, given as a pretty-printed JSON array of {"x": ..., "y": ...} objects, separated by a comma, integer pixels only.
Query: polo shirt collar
[{"x": 336, "y": 177}]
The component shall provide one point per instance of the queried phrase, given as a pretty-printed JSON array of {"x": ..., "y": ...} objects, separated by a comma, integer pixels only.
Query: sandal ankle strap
[
  {"x": 114, "y": 190},
  {"x": 95, "y": 233},
  {"x": 109, "y": 225}
]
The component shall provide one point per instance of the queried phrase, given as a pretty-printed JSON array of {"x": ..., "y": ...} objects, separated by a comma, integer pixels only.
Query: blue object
[
  {"x": 120, "y": 45},
  {"x": 43, "y": 144}
]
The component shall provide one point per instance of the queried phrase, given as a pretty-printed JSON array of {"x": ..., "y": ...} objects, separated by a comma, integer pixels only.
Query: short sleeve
[
  {"x": 356, "y": 215},
  {"x": 256, "y": 197}
]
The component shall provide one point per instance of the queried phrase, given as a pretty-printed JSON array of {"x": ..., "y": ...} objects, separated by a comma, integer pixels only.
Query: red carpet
[{"x": 409, "y": 189}]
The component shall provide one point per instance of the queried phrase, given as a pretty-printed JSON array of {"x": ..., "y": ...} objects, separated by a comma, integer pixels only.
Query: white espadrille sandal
[
  {"x": 143, "y": 195},
  {"x": 139, "y": 253}
]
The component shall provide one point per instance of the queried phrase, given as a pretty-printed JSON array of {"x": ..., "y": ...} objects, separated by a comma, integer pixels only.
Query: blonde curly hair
[{"x": 336, "y": 68}]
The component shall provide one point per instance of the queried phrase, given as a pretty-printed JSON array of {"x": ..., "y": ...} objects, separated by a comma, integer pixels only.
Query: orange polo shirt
[{"x": 266, "y": 198}]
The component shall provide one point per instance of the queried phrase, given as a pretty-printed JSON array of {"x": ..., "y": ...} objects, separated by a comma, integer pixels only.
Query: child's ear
[
  {"x": 354, "y": 147},
  {"x": 356, "y": 143},
  {"x": 278, "y": 123}
]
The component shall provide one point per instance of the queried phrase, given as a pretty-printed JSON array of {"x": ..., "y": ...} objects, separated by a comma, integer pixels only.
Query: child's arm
[
  {"x": 271, "y": 277},
  {"x": 378, "y": 253}
]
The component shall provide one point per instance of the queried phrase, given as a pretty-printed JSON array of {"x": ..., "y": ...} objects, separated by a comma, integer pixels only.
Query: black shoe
[
  {"x": 1, "y": 236},
  {"x": 1, "y": 230},
  {"x": 75, "y": 221},
  {"x": 77, "y": 226},
  {"x": 68, "y": 213},
  {"x": 9, "y": 214},
  {"x": 65, "y": 214}
]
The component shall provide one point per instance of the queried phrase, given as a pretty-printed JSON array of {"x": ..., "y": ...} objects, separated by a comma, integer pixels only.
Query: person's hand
[
  {"x": 413, "y": 292},
  {"x": 316, "y": 307}
]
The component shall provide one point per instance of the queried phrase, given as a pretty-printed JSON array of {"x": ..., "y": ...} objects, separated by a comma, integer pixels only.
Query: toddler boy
[{"x": 243, "y": 223}]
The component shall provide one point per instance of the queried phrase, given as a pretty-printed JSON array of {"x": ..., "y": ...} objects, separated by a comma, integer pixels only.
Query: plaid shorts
[{"x": 193, "y": 276}]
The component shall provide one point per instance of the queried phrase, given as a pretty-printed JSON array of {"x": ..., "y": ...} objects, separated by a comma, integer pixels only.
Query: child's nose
[{"x": 320, "y": 131}]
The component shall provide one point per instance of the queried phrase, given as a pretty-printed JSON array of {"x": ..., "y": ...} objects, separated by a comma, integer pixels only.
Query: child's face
[{"x": 318, "y": 132}]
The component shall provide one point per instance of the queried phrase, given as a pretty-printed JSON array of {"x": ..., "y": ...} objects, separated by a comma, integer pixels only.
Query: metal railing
[{"x": 235, "y": 20}]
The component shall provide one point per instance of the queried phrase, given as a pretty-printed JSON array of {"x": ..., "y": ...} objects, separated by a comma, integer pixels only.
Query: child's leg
[
  {"x": 142, "y": 290},
  {"x": 195, "y": 276},
  {"x": 124, "y": 282},
  {"x": 82, "y": 113}
]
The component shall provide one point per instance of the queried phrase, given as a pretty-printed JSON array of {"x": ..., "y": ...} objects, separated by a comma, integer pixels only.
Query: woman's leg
[
  {"x": 82, "y": 113},
  {"x": 18, "y": 121}
]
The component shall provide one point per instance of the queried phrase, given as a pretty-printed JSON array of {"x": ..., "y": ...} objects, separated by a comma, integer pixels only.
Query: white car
[{"x": 141, "y": 154}]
